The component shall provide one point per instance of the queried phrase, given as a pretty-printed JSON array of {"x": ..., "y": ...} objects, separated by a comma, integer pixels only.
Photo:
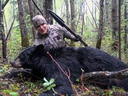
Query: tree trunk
[
  {"x": 2, "y": 33},
  {"x": 26, "y": 9},
  {"x": 23, "y": 29},
  {"x": 67, "y": 11},
  {"x": 114, "y": 26},
  {"x": 125, "y": 30},
  {"x": 95, "y": 11},
  {"x": 48, "y": 4},
  {"x": 107, "y": 10},
  {"x": 37, "y": 11},
  {"x": 31, "y": 16},
  {"x": 119, "y": 30},
  {"x": 73, "y": 25},
  {"x": 100, "y": 32},
  {"x": 107, "y": 16},
  {"x": 82, "y": 18}
]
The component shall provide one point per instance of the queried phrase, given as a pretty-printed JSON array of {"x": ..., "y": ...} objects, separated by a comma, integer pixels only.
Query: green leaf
[
  {"x": 108, "y": 93},
  {"x": 82, "y": 70},
  {"x": 5, "y": 67},
  {"x": 52, "y": 86},
  {"x": 52, "y": 80},
  {"x": 78, "y": 80},
  {"x": 14, "y": 94},
  {"x": 7, "y": 71},
  {"x": 1, "y": 70},
  {"x": 6, "y": 91},
  {"x": 46, "y": 84},
  {"x": 48, "y": 88},
  {"x": 15, "y": 87},
  {"x": 45, "y": 80},
  {"x": 29, "y": 90}
]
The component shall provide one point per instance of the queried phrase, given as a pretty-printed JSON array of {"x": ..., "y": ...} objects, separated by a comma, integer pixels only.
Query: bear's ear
[{"x": 39, "y": 50}]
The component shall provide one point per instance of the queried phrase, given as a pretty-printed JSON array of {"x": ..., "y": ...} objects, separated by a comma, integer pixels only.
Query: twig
[
  {"x": 68, "y": 75},
  {"x": 91, "y": 13},
  {"x": 10, "y": 29},
  {"x": 83, "y": 87}
]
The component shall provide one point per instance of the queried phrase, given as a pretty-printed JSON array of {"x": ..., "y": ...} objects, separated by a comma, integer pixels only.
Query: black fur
[{"x": 87, "y": 58}]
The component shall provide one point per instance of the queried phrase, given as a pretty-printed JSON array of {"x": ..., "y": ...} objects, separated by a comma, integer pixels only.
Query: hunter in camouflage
[{"x": 51, "y": 36}]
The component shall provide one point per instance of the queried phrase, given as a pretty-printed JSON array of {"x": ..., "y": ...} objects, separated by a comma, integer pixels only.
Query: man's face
[{"x": 42, "y": 29}]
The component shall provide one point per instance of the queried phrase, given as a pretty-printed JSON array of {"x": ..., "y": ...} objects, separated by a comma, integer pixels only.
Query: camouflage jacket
[{"x": 54, "y": 38}]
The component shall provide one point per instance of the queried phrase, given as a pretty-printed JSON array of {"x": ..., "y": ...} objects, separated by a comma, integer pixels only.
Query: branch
[
  {"x": 3, "y": 5},
  {"x": 10, "y": 29},
  {"x": 91, "y": 14},
  {"x": 122, "y": 74},
  {"x": 67, "y": 75}
]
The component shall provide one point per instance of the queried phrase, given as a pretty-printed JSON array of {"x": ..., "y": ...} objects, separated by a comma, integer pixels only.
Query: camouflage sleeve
[{"x": 67, "y": 34}]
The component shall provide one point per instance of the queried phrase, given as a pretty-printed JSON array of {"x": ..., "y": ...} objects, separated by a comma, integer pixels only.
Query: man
[{"x": 51, "y": 36}]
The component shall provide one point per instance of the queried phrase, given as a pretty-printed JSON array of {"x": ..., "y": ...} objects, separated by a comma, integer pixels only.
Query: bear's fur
[{"x": 87, "y": 58}]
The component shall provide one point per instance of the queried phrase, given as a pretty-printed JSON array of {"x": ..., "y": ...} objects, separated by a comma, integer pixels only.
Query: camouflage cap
[{"x": 38, "y": 20}]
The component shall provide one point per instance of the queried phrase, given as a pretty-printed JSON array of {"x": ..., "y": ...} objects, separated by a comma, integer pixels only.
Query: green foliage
[
  {"x": 32, "y": 87},
  {"x": 13, "y": 91},
  {"x": 4, "y": 69},
  {"x": 13, "y": 44},
  {"x": 108, "y": 93},
  {"x": 49, "y": 84},
  {"x": 117, "y": 89}
]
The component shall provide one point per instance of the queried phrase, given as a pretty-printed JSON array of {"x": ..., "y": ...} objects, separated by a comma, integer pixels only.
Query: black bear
[{"x": 87, "y": 58}]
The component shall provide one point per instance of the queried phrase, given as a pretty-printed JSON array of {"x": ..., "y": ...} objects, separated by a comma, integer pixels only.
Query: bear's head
[{"x": 24, "y": 59}]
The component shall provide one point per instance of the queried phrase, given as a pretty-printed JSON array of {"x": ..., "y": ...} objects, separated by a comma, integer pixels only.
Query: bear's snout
[
  {"x": 16, "y": 63},
  {"x": 12, "y": 62}
]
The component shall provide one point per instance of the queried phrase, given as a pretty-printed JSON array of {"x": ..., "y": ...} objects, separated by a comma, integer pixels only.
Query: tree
[
  {"x": 73, "y": 25},
  {"x": 82, "y": 18},
  {"x": 125, "y": 29},
  {"x": 119, "y": 31},
  {"x": 48, "y": 4},
  {"x": 23, "y": 29},
  {"x": 31, "y": 16},
  {"x": 107, "y": 12},
  {"x": 67, "y": 11},
  {"x": 2, "y": 32},
  {"x": 100, "y": 32},
  {"x": 114, "y": 25}
]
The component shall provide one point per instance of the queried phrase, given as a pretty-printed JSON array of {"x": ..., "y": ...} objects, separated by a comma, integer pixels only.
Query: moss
[{"x": 25, "y": 42}]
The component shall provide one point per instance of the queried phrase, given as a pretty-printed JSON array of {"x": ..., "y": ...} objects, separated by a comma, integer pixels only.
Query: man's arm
[{"x": 68, "y": 35}]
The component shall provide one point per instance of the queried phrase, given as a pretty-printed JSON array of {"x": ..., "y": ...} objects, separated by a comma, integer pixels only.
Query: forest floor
[
  {"x": 17, "y": 87},
  {"x": 20, "y": 87}
]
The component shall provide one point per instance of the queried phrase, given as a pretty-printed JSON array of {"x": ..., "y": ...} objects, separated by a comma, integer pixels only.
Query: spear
[
  {"x": 62, "y": 23},
  {"x": 37, "y": 7}
]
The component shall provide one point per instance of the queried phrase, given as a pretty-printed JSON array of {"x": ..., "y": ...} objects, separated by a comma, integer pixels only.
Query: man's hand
[{"x": 78, "y": 38}]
